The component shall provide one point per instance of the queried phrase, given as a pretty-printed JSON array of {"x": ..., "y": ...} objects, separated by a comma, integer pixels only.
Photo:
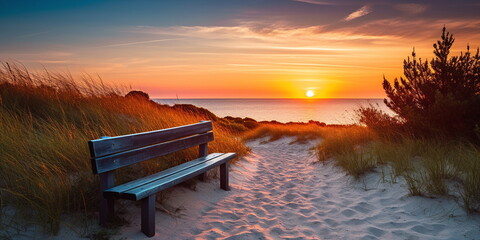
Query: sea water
[{"x": 330, "y": 111}]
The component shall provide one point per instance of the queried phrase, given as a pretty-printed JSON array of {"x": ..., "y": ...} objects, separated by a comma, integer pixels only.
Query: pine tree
[{"x": 441, "y": 96}]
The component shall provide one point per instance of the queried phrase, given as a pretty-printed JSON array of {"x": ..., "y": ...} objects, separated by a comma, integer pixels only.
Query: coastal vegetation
[
  {"x": 430, "y": 167},
  {"x": 46, "y": 120},
  {"x": 433, "y": 140},
  {"x": 440, "y": 97}
]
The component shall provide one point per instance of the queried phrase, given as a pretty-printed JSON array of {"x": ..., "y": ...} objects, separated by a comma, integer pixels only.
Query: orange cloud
[
  {"x": 359, "y": 13},
  {"x": 246, "y": 60}
]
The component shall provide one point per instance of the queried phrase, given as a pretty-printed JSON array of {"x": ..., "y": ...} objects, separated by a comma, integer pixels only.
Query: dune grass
[
  {"x": 274, "y": 131},
  {"x": 430, "y": 167},
  {"x": 345, "y": 143},
  {"x": 46, "y": 121}
]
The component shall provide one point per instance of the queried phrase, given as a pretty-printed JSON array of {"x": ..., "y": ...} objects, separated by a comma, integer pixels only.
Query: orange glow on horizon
[{"x": 242, "y": 62}]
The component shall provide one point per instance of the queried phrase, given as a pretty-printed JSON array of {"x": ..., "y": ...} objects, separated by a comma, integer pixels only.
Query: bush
[
  {"x": 138, "y": 95},
  {"x": 383, "y": 124},
  {"x": 441, "y": 96}
]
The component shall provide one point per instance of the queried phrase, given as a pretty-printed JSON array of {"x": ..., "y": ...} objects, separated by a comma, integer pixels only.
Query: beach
[
  {"x": 279, "y": 192},
  {"x": 295, "y": 119}
]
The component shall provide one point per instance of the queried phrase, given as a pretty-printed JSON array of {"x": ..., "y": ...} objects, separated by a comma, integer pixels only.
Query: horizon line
[{"x": 153, "y": 98}]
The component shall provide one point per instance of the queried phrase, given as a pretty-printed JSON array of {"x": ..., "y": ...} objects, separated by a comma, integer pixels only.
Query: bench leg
[
  {"x": 148, "y": 215},
  {"x": 107, "y": 180},
  {"x": 106, "y": 210},
  {"x": 224, "y": 176},
  {"x": 202, "y": 152}
]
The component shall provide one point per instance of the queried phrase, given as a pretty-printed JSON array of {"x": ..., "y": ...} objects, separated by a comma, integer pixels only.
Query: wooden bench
[{"x": 111, "y": 153}]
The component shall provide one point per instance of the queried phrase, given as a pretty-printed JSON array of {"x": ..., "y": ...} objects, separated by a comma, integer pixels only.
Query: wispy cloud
[
  {"x": 43, "y": 61},
  {"x": 411, "y": 8},
  {"x": 313, "y": 48},
  {"x": 429, "y": 29},
  {"x": 331, "y": 65},
  {"x": 316, "y": 2},
  {"x": 359, "y": 13},
  {"x": 141, "y": 42},
  {"x": 305, "y": 37}
]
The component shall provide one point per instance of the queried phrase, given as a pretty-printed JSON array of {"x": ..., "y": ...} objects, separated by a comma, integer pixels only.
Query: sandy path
[{"x": 278, "y": 194}]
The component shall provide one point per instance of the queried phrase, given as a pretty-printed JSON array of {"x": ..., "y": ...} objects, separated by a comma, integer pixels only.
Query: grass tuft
[
  {"x": 344, "y": 140},
  {"x": 356, "y": 163}
]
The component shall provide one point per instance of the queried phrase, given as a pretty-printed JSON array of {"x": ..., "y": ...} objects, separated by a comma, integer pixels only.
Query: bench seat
[{"x": 144, "y": 187}]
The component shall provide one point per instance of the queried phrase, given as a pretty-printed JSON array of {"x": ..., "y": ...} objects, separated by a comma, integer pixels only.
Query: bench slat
[
  {"x": 163, "y": 183},
  {"x": 115, "y": 191},
  {"x": 111, "y": 145},
  {"x": 122, "y": 159}
]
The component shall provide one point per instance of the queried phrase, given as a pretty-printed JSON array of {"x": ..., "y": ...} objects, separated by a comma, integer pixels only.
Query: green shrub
[{"x": 384, "y": 125}]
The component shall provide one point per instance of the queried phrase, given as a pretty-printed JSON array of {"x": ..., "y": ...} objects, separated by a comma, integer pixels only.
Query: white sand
[{"x": 277, "y": 193}]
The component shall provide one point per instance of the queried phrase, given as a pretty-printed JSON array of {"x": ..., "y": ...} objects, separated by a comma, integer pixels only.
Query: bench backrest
[{"x": 111, "y": 153}]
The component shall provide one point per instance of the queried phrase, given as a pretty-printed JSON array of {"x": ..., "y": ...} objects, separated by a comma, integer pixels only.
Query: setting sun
[{"x": 310, "y": 93}]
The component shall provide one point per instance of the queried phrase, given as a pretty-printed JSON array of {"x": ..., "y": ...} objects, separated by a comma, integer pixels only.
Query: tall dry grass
[{"x": 46, "y": 120}]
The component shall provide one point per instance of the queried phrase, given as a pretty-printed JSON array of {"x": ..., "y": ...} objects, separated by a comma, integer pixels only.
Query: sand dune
[{"x": 277, "y": 193}]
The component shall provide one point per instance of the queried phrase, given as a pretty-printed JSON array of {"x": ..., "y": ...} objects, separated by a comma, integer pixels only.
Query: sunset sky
[{"x": 233, "y": 49}]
